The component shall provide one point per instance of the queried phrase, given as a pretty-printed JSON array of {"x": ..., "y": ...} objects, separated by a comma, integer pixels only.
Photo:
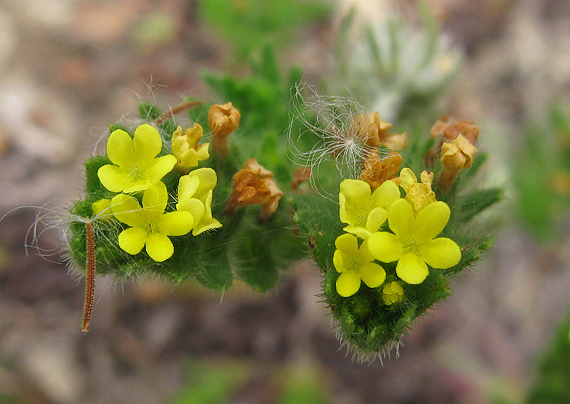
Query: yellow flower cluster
[
  {"x": 410, "y": 236},
  {"x": 136, "y": 168}
]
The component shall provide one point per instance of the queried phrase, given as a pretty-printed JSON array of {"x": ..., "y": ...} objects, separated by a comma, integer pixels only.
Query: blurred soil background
[{"x": 70, "y": 67}]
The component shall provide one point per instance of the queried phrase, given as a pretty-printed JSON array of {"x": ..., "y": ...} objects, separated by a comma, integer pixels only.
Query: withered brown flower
[
  {"x": 377, "y": 170},
  {"x": 223, "y": 119},
  {"x": 252, "y": 185},
  {"x": 374, "y": 132}
]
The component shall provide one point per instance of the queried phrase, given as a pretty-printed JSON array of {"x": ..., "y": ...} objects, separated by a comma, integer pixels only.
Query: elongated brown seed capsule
[{"x": 89, "y": 279}]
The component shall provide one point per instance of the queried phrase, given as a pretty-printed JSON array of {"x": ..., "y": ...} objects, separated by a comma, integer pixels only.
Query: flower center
[
  {"x": 150, "y": 226},
  {"x": 353, "y": 262},
  {"x": 136, "y": 173},
  {"x": 411, "y": 245},
  {"x": 361, "y": 216}
]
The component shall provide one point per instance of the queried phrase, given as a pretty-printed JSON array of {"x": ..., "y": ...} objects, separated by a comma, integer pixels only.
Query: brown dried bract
[
  {"x": 223, "y": 119},
  {"x": 374, "y": 132},
  {"x": 377, "y": 170},
  {"x": 252, "y": 185},
  {"x": 450, "y": 128}
]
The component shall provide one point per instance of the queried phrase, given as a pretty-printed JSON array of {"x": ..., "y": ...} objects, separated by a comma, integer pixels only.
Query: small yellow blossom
[
  {"x": 414, "y": 244},
  {"x": 186, "y": 149},
  {"x": 354, "y": 265},
  {"x": 102, "y": 209},
  {"x": 363, "y": 210},
  {"x": 135, "y": 166},
  {"x": 150, "y": 226},
  {"x": 392, "y": 292},
  {"x": 418, "y": 194},
  {"x": 195, "y": 192}
]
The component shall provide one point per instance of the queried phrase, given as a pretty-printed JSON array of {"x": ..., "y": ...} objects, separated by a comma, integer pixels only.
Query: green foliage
[
  {"x": 541, "y": 172},
  {"x": 552, "y": 384},
  {"x": 251, "y": 24},
  {"x": 263, "y": 99}
]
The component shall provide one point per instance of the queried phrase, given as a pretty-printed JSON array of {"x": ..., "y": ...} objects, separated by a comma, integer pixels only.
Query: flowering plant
[{"x": 242, "y": 200}]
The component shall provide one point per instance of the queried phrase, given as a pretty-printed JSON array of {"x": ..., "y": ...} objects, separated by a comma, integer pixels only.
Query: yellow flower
[
  {"x": 392, "y": 292},
  {"x": 413, "y": 243},
  {"x": 354, "y": 264},
  {"x": 195, "y": 192},
  {"x": 134, "y": 167},
  {"x": 150, "y": 226},
  {"x": 418, "y": 194},
  {"x": 185, "y": 147},
  {"x": 365, "y": 211}
]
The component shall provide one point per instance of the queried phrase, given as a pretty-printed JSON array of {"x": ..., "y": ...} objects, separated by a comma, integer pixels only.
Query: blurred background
[{"x": 68, "y": 68}]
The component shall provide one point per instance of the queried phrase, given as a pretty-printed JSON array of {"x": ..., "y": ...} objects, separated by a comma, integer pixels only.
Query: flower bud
[{"x": 223, "y": 120}]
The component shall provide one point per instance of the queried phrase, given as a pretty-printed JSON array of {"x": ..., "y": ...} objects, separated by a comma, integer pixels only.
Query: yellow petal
[
  {"x": 376, "y": 217},
  {"x": 431, "y": 220},
  {"x": 127, "y": 210},
  {"x": 411, "y": 269},
  {"x": 355, "y": 190},
  {"x": 187, "y": 187},
  {"x": 394, "y": 287},
  {"x": 132, "y": 240},
  {"x": 401, "y": 217},
  {"x": 203, "y": 151},
  {"x": 364, "y": 252},
  {"x": 407, "y": 179},
  {"x": 354, "y": 201},
  {"x": 147, "y": 142},
  {"x": 189, "y": 159},
  {"x": 347, "y": 283},
  {"x": 385, "y": 247},
  {"x": 338, "y": 260},
  {"x": 176, "y": 223},
  {"x": 194, "y": 206},
  {"x": 386, "y": 194},
  {"x": 130, "y": 186},
  {"x": 102, "y": 208},
  {"x": 120, "y": 148},
  {"x": 205, "y": 225},
  {"x": 207, "y": 222},
  {"x": 441, "y": 253},
  {"x": 160, "y": 167},
  {"x": 373, "y": 275},
  {"x": 208, "y": 180},
  {"x": 112, "y": 177},
  {"x": 159, "y": 247},
  {"x": 154, "y": 201},
  {"x": 360, "y": 232},
  {"x": 347, "y": 243}
]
